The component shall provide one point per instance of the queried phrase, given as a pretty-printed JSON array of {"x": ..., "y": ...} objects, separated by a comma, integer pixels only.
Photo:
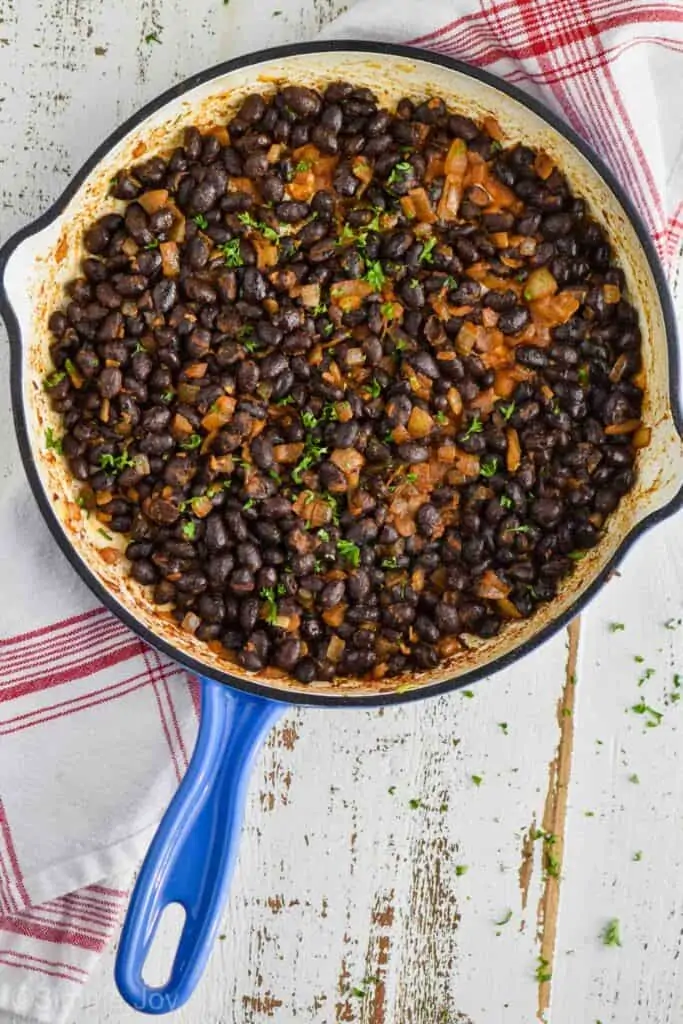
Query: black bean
[{"x": 302, "y": 101}]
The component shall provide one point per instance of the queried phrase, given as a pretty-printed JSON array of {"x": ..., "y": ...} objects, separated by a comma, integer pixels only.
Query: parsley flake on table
[
  {"x": 616, "y": 627},
  {"x": 504, "y": 920},
  {"x": 611, "y": 935},
  {"x": 503, "y": 726},
  {"x": 460, "y": 870},
  {"x": 414, "y": 803},
  {"x": 52, "y": 442},
  {"x": 477, "y": 779},
  {"x": 542, "y": 972}
]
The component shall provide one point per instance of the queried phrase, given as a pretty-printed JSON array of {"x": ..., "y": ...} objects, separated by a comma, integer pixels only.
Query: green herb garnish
[
  {"x": 375, "y": 276},
  {"x": 323, "y": 535},
  {"x": 375, "y": 388},
  {"x": 166, "y": 396},
  {"x": 611, "y": 935},
  {"x": 506, "y": 502},
  {"x": 189, "y": 530},
  {"x": 542, "y": 972},
  {"x": 475, "y": 427},
  {"x": 232, "y": 253},
  {"x": 107, "y": 536},
  {"x": 654, "y": 717},
  {"x": 441, "y": 418},
  {"x": 309, "y": 419},
  {"x": 349, "y": 551},
  {"x": 460, "y": 870},
  {"x": 414, "y": 803},
  {"x": 503, "y": 726},
  {"x": 504, "y": 920},
  {"x": 258, "y": 225},
  {"x": 193, "y": 441},
  {"x": 489, "y": 467},
  {"x": 616, "y": 627},
  {"x": 152, "y": 37},
  {"x": 115, "y": 463},
  {"x": 399, "y": 171},
  {"x": 427, "y": 251},
  {"x": 268, "y": 595},
  {"x": 249, "y": 503},
  {"x": 201, "y": 221},
  {"x": 506, "y": 411},
  {"x": 477, "y": 779},
  {"x": 520, "y": 529},
  {"x": 53, "y": 379},
  {"x": 303, "y": 165}
]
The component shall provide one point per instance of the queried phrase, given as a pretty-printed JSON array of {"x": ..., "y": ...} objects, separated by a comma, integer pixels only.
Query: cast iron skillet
[{"x": 191, "y": 857}]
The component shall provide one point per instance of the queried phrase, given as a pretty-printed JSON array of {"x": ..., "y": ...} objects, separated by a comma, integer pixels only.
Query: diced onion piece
[
  {"x": 508, "y": 609},
  {"x": 514, "y": 450},
  {"x": 619, "y": 368},
  {"x": 310, "y": 294},
  {"x": 527, "y": 246},
  {"x": 467, "y": 337},
  {"x": 267, "y": 253},
  {"x": 467, "y": 464},
  {"x": 611, "y": 293},
  {"x": 500, "y": 239},
  {"x": 170, "y": 259},
  {"x": 154, "y": 200},
  {"x": 420, "y": 423},
  {"x": 220, "y": 132},
  {"x": 540, "y": 284},
  {"x": 456, "y": 158},
  {"x": 347, "y": 459},
  {"x": 202, "y": 506},
  {"x": 400, "y": 434},
  {"x": 479, "y": 195},
  {"x": 354, "y": 357},
  {"x": 191, "y": 622},
  {"x": 454, "y": 399},
  {"x": 188, "y": 393},
  {"x": 492, "y": 587},
  {"x": 361, "y": 169},
  {"x": 335, "y": 616},
  {"x": 626, "y": 427},
  {"x": 493, "y": 128},
  {"x": 446, "y": 453},
  {"x": 130, "y": 247},
  {"x": 543, "y": 166},
  {"x": 335, "y": 648},
  {"x": 448, "y": 646},
  {"x": 421, "y": 205},
  {"x": 408, "y": 207},
  {"x": 288, "y": 453},
  {"x": 349, "y": 295},
  {"x": 180, "y": 427},
  {"x": 451, "y": 195},
  {"x": 489, "y": 317},
  {"x": 554, "y": 310},
  {"x": 290, "y": 623},
  {"x": 641, "y": 437},
  {"x": 195, "y": 371},
  {"x": 220, "y": 413}
]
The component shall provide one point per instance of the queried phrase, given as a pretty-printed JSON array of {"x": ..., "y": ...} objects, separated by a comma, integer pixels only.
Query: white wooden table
[{"x": 351, "y": 903}]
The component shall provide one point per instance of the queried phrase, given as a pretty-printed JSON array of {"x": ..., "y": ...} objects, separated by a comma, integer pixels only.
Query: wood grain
[{"x": 377, "y": 882}]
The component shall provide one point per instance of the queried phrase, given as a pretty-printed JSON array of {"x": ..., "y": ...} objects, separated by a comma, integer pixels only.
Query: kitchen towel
[{"x": 96, "y": 727}]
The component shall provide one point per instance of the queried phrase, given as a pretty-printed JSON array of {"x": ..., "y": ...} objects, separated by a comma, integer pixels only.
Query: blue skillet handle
[{"x": 192, "y": 855}]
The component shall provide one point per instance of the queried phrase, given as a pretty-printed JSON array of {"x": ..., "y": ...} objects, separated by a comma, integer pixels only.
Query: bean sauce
[{"x": 351, "y": 382}]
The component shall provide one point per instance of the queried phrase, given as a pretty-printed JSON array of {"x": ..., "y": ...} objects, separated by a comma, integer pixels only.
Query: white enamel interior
[{"x": 43, "y": 262}]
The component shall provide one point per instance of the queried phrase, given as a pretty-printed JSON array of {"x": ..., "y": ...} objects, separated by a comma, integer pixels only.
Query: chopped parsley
[
  {"x": 506, "y": 502},
  {"x": 154, "y": 244},
  {"x": 54, "y": 379},
  {"x": 193, "y": 441},
  {"x": 506, "y": 411},
  {"x": 616, "y": 627},
  {"x": 411, "y": 477},
  {"x": 115, "y": 463},
  {"x": 399, "y": 172},
  {"x": 53, "y": 443},
  {"x": 387, "y": 311},
  {"x": 189, "y": 530},
  {"x": 460, "y": 870},
  {"x": 450, "y": 282},
  {"x": 672, "y": 623},
  {"x": 201, "y": 221},
  {"x": 323, "y": 535},
  {"x": 582, "y": 375},
  {"x": 489, "y": 466},
  {"x": 611, "y": 935},
  {"x": 258, "y": 225},
  {"x": 107, "y": 536},
  {"x": 414, "y": 803},
  {"x": 477, "y": 779},
  {"x": 475, "y": 427},
  {"x": 303, "y": 165},
  {"x": 634, "y": 778},
  {"x": 426, "y": 256},
  {"x": 349, "y": 551},
  {"x": 577, "y": 556},
  {"x": 232, "y": 253},
  {"x": 268, "y": 595},
  {"x": 375, "y": 388},
  {"x": 441, "y": 418},
  {"x": 520, "y": 529},
  {"x": 152, "y": 37},
  {"x": 391, "y": 790},
  {"x": 309, "y": 419},
  {"x": 249, "y": 503},
  {"x": 390, "y": 563},
  {"x": 166, "y": 396},
  {"x": 638, "y": 855},
  {"x": 312, "y": 453},
  {"x": 503, "y": 726},
  {"x": 287, "y": 400},
  {"x": 375, "y": 276},
  {"x": 504, "y": 920},
  {"x": 654, "y": 717}
]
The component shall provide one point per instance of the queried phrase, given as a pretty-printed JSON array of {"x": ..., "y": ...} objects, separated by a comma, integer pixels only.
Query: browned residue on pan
[
  {"x": 343, "y": 1010},
  {"x": 554, "y": 819}
]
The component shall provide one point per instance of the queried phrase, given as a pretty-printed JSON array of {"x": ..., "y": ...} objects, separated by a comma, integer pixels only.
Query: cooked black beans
[{"x": 340, "y": 421}]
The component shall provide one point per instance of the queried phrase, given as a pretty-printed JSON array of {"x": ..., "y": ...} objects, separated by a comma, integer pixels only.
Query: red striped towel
[{"x": 96, "y": 727}]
